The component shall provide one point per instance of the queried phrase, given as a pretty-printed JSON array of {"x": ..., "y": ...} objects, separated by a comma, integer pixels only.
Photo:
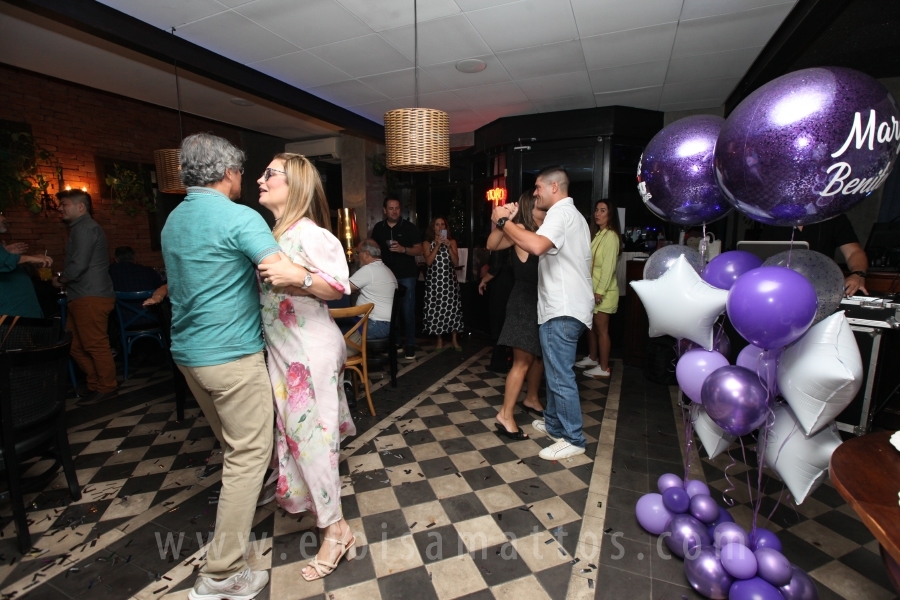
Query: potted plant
[
  {"x": 20, "y": 176},
  {"x": 131, "y": 190}
]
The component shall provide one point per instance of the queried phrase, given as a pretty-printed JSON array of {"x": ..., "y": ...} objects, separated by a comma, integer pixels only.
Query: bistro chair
[
  {"x": 357, "y": 361},
  {"x": 377, "y": 346},
  {"x": 136, "y": 322}
]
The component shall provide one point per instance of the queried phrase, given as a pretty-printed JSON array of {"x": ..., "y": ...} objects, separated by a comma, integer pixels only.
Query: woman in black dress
[
  {"x": 520, "y": 330},
  {"x": 443, "y": 307}
]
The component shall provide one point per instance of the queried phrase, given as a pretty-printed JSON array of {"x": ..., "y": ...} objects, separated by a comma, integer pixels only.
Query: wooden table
[{"x": 866, "y": 472}]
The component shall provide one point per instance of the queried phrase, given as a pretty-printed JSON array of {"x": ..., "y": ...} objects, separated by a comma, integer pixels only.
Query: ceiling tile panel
[
  {"x": 301, "y": 69},
  {"x": 446, "y": 101},
  {"x": 306, "y": 24},
  {"x": 717, "y": 65},
  {"x": 636, "y": 46},
  {"x": 567, "y": 103},
  {"x": 375, "y": 110},
  {"x": 539, "y": 61},
  {"x": 629, "y": 77},
  {"x": 399, "y": 84},
  {"x": 468, "y": 5},
  {"x": 348, "y": 93},
  {"x": 640, "y": 98},
  {"x": 606, "y": 16},
  {"x": 382, "y": 15},
  {"x": 235, "y": 37},
  {"x": 492, "y": 113},
  {"x": 492, "y": 95},
  {"x": 692, "y": 105},
  {"x": 747, "y": 29},
  {"x": 447, "y": 75},
  {"x": 698, "y": 90},
  {"x": 367, "y": 55},
  {"x": 441, "y": 40},
  {"x": 526, "y": 23},
  {"x": 556, "y": 86},
  {"x": 697, "y": 9},
  {"x": 166, "y": 14}
]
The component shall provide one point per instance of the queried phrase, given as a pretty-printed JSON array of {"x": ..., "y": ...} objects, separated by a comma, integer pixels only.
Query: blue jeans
[
  {"x": 562, "y": 416},
  {"x": 409, "y": 310},
  {"x": 378, "y": 329}
]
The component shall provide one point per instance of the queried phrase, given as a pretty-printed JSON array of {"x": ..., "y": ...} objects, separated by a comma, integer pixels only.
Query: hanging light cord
[
  {"x": 416, "y": 48},
  {"x": 178, "y": 97}
]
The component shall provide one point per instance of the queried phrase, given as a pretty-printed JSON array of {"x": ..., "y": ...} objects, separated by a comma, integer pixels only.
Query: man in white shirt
[
  {"x": 376, "y": 284},
  {"x": 563, "y": 245}
]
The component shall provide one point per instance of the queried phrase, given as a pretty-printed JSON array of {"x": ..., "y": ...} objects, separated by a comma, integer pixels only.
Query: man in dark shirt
[
  {"x": 827, "y": 237},
  {"x": 129, "y": 276},
  {"x": 90, "y": 295},
  {"x": 400, "y": 243}
]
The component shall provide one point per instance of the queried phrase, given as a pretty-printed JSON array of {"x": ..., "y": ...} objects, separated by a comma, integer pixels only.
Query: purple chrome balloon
[
  {"x": 676, "y": 500},
  {"x": 695, "y": 486},
  {"x": 704, "y": 508},
  {"x": 651, "y": 514},
  {"x": 730, "y": 533},
  {"x": 771, "y": 306},
  {"x": 724, "y": 270},
  {"x": 705, "y": 573},
  {"x": 801, "y": 586},
  {"x": 774, "y": 567},
  {"x": 721, "y": 343},
  {"x": 763, "y": 538},
  {"x": 676, "y": 175},
  {"x": 735, "y": 400},
  {"x": 668, "y": 480},
  {"x": 685, "y": 534},
  {"x": 738, "y": 560},
  {"x": 754, "y": 589},
  {"x": 807, "y": 146}
]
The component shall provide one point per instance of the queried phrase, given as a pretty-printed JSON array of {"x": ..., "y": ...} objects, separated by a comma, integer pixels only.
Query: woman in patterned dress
[
  {"x": 306, "y": 354},
  {"x": 443, "y": 308}
]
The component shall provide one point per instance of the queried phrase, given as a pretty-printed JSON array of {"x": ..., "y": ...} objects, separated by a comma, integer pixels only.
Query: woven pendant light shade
[
  {"x": 168, "y": 171},
  {"x": 417, "y": 139}
]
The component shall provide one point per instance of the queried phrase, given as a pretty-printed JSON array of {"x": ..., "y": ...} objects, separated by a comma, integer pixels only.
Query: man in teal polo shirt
[{"x": 211, "y": 247}]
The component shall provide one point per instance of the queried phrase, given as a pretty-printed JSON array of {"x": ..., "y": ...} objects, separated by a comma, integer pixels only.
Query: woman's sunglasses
[{"x": 269, "y": 172}]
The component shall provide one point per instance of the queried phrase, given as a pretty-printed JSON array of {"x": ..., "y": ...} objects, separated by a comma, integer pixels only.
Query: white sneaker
[
  {"x": 597, "y": 373},
  {"x": 242, "y": 586},
  {"x": 586, "y": 362},
  {"x": 560, "y": 450},
  {"x": 541, "y": 427}
]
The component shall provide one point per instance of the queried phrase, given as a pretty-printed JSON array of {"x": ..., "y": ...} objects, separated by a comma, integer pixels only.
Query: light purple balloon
[
  {"x": 730, "y": 533},
  {"x": 754, "y": 589},
  {"x": 694, "y": 367},
  {"x": 724, "y": 270},
  {"x": 801, "y": 586},
  {"x": 738, "y": 560},
  {"x": 676, "y": 176},
  {"x": 721, "y": 343},
  {"x": 735, "y": 400},
  {"x": 668, "y": 480},
  {"x": 774, "y": 567},
  {"x": 763, "y": 538},
  {"x": 685, "y": 534},
  {"x": 705, "y": 573},
  {"x": 787, "y": 155},
  {"x": 771, "y": 306},
  {"x": 765, "y": 366},
  {"x": 704, "y": 508},
  {"x": 676, "y": 500},
  {"x": 651, "y": 513},
  {"x": 695, "y": 486}
]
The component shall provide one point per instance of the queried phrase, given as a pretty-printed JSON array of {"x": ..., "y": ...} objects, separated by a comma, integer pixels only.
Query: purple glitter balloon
[
  {"x": 754, "y": 589},
  {"x": 763, "y": 538},
  {"x": 704, "y": 508},
  {"x": 771, "y": 306},
  {"x": 676, "y": 500},
  {"x": 705, "y": 573},
  {"x": 730, "y": 533},
  {"x": 724, "y": 270},
  {"x": 808, "y": 146},
  {"x": 668, "y": 480},
  {"x": 735, "y": 400},
  {"x": 801, "y": 586},
  {"x": 676, "y": 175},
  {"x": 774, "y": 567},
  {"x": 685, "y": 534}
]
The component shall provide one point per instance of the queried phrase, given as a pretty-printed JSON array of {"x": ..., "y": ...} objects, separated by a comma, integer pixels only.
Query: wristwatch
[
  {"x": 501, "y": 222},
  {"x": 307, "y": 281},
  {"x": 859, "y": 273}
]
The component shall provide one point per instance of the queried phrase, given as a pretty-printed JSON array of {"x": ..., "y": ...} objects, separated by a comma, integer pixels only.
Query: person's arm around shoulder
[{"x": 532, "y": 243}]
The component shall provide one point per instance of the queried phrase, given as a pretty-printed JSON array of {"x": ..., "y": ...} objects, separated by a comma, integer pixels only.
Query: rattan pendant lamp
[
  {"x": 417, "y": 139},
  {"x": 168, "y": 160}
]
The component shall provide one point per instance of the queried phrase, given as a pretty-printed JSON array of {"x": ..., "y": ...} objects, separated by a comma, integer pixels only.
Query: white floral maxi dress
[{"x": 306, "y": 360}]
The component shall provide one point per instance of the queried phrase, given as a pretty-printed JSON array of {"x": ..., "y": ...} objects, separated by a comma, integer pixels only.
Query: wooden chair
[
  {"x": 388, "y": 345},
  {"x": 357, "y": 363}
]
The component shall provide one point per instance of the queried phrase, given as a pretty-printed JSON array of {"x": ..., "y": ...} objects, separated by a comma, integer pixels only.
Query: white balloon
[
  {"x": 800, "y": 460},
  {"x": 681, "y": 304},
  {"x": 715, "y": 440},
  {"x": 821, "y": 373}
]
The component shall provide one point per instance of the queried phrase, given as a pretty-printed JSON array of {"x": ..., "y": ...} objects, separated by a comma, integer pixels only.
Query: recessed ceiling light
[
  {"x": 241, "y": 102},
  {"x": 471, "y": 65}
]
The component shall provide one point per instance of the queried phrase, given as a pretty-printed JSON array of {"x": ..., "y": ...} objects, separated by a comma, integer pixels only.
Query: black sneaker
[
  {"x": 410, "y": 354},
  {"x": 98, "y": 397},
  {"x": 348, "y": 393}
]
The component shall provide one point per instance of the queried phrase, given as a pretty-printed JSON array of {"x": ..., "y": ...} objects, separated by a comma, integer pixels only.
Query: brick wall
[{"x": 77, "y": 124}]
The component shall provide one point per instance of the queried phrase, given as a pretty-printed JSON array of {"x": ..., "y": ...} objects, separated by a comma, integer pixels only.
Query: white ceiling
[{"x": 541, "y": 55}]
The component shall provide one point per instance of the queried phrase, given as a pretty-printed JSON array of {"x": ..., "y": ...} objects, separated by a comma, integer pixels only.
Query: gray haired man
[
  {"x": 211, "y": 247},
  {"x": 375, "y": 283}
]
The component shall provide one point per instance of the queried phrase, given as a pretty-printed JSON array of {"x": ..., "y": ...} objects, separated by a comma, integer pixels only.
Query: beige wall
[{"x": 363, "y": 191}]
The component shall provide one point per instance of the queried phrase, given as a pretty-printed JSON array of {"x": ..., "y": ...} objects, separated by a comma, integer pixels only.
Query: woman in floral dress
[{"x": 306, "y": 353}]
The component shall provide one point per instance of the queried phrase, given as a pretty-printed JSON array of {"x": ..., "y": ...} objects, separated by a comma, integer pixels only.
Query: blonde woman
[
  {"x": 604, "y": 254},
  {"x": 306, "y": 354}
]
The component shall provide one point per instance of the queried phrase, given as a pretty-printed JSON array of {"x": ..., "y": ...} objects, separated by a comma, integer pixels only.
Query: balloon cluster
[{"x": 721, "y": 559}]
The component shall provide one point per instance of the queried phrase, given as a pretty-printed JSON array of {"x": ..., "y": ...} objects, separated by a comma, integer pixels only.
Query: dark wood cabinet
[{"x": 637, "y": 326}]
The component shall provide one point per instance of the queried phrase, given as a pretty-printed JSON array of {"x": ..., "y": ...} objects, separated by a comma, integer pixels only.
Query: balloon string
[
  {"x": 688, "y": 437},
  {"x": 747, "y": 475},
  {"x": 731, "y": 485},
  {"x": 791, "y": 247},
  {"x": 703, "y": 248}
]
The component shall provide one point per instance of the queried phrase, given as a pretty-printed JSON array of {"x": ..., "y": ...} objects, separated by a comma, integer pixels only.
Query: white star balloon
[
  {"x": 715, "y": 440},
  {"x": 681, "y": 304}
]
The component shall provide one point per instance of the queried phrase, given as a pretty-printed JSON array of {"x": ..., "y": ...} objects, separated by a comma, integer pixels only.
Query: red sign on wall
[{"x": 497, "y": 195}]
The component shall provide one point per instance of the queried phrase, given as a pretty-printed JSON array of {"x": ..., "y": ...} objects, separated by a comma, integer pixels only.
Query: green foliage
[
  {"x": 131, "y": 190},
  {"x": 20, "y": 177}
]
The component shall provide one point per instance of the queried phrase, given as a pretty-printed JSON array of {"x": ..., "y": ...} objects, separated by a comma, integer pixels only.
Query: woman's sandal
[
  {"x": 513, "y": 435},
  {"x": 534, "y": 411},
  {"x": 324, "y": 569}
]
